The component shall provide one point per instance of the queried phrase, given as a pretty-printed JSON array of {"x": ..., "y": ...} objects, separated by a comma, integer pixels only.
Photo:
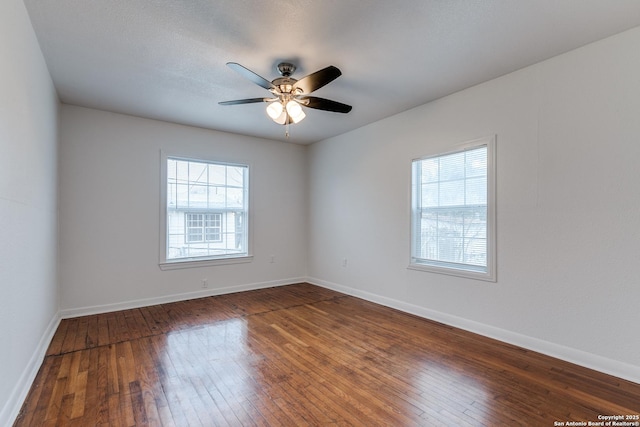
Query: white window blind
[{"x": 452, "y": 212}]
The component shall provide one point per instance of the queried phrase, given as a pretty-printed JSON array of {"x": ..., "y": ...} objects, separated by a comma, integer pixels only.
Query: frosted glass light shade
[
  {"x": 274, "y": 110},
  {"x": 295, "y": 111}
]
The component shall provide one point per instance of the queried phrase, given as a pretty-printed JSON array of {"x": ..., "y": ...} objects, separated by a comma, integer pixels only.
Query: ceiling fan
[{"x": 290, "y": 95}]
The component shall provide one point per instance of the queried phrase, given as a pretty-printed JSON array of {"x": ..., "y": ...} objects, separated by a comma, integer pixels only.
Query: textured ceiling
[{"x": 165, "y": 59}]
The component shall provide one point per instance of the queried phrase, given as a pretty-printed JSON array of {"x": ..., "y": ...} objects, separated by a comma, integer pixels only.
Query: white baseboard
[
  {"x": 578, "y": 357},
  {"x": 106, "y": 308},
  {"x": 11, "y": 408}
]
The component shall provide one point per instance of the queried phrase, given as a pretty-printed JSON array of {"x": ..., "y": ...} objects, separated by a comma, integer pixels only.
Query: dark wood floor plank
[
  {"x": 103, "y": 330},
  {"x": 90, "y": 340},
  {"x": 211, "y": 310},
  {"x": 95, "y": 381},
  {"x": 136, "y": 324},
  {"x": 69, "y": 342},
  {"x": 153, "y": 399},
  {"x": 81, "y": 333},
  {"x": 55, "y": 347},
  {"x": 157, "y": 319},
  {"x": 112, "y": 327},
  {"x": 56, "y": 398},
  {"x": 123, "y": 332},
  {"x": 125, "y": 371},
  {"x": 302, "y": 355}
]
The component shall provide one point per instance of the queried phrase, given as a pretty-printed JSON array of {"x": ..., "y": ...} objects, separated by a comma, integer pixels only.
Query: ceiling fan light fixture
[
  {"x": 274, "y": 110},
  {"x": 290, "y": 94},
  {"x": 295, "y": 111}
]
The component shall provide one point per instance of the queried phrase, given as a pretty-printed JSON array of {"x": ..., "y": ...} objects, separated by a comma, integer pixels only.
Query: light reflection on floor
[
  {"x": 463, "y": 391},
  {"x": 211, "y": 357},
  {"x": 218, "y": 360}
]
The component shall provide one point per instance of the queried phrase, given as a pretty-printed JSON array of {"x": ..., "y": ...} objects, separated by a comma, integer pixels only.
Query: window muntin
[
  {"x": 205, "y": 210},
  {"x": 453, "y": 212}
]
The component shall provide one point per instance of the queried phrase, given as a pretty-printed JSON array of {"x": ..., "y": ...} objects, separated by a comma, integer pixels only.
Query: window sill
[
  {"x": 195, "y": 262},
  {"x": 477, "y": 275}
]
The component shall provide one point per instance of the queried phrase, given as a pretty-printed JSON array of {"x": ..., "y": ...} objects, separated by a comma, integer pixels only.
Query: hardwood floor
[{"x": 303, "y": 355}]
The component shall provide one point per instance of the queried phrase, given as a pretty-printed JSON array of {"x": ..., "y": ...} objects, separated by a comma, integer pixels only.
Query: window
[
  {"x": 203, "y": 227},
  {"x": 453, "y": 211},
  {"x": 204, "y": 213}
]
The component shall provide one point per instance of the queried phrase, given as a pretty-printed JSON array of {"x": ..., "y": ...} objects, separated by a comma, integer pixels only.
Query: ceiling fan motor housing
[
  {"x": 286, "y": 69},
  {"x": 285, "y": 83}
]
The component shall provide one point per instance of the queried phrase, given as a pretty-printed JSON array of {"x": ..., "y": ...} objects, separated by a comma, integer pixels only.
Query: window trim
[
  {"x": 491, "y": 269},
  {"x": 205, "y": 261}
]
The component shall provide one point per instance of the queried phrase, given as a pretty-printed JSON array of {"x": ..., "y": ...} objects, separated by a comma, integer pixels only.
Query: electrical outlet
[{"x": 205, "y": 283}]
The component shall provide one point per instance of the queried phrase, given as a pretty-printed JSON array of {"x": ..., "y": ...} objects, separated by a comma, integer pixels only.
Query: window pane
[
  {"x": 182, "y": 196},
  {"x": 235, "y": 198},
  {"x": 449, "y": 247},
  {"x": 235, "y": 176},
  {"x": 216, "y": 192},
  {"x": 476, "y": 162},
  {"x": 171, "y": 170},
  {"x": 452, "y": 166},
  {"x": 476, "y": 191},
  {"x": 430, "y": 170},
  {"x": 182, "y": 171},
  {"x": 431, "y": 195},
  {"x": 475, "y": 222},
  {"x": 171, "y": 194},
  {"x": 475, "y": 251},
  {"x": 197, "y": 196},
  {"x": 217, "y": 174},
  {"x": 217, "y": 197},
  {"x": 197, "y": 172},
  {"x": 452, "y": 193},
  {"x": 429, "y": 235}
]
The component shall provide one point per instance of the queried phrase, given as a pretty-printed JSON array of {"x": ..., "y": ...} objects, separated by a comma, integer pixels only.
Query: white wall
[
  {"x": 110, "y": 211},
  {"x": 28, "y": 138},
  {"x": 568, "y": 207}
]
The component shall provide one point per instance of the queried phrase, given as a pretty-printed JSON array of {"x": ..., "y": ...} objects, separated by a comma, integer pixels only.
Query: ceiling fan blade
[
  {"x": 246, "y": 101},
  {"x": 324, "y": 104},
  {"x": 318, "y": 79},
  {"x": 248, "y": 74}
]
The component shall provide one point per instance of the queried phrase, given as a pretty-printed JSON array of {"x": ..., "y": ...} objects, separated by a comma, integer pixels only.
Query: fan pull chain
[{"x": 286, "y": 130}]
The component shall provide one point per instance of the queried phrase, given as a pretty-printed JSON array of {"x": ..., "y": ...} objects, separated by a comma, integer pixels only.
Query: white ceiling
[{"x": 165, "y": 59}]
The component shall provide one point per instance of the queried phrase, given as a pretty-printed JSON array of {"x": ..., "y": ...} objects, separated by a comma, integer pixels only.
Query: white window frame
[
  {"x": 462, "y": 270},
  {"x": 172, "y": 264}
]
